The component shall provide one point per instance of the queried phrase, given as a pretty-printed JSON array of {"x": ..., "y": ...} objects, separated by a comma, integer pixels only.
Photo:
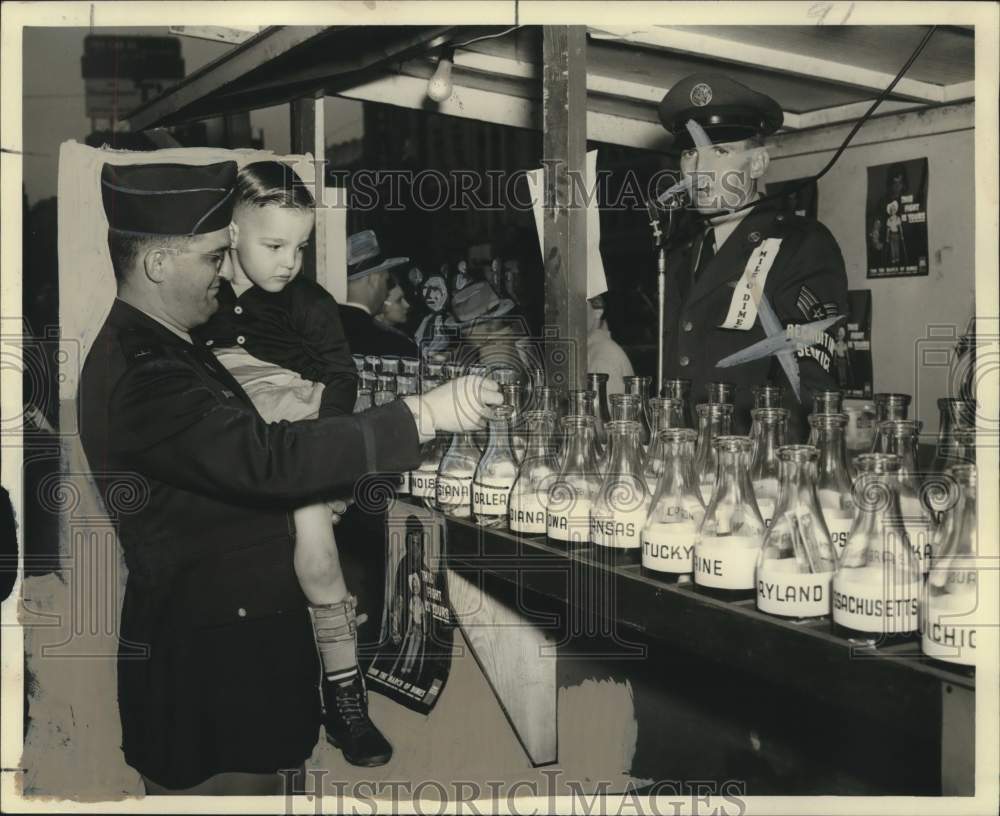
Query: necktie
[
  {"x": 707, "y": 251},
  {"x": 706, "y": 254}
]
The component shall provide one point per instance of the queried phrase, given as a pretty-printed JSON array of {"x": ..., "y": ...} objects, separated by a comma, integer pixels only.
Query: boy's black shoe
[{"x": 348, "y": 726}]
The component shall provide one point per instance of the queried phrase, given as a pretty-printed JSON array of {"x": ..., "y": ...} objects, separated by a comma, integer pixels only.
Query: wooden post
[
  {"x": 308, "y": 133},
  {"x": 564, "y": 233}
]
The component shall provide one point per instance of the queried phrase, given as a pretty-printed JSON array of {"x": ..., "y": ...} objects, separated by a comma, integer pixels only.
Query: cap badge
[
  {"x": 701, "y": 94},
  {"x": 754, "y": 237}
]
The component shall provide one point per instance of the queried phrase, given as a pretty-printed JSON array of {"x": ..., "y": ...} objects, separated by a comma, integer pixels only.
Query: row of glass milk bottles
[{"x": 740, "y": 513}]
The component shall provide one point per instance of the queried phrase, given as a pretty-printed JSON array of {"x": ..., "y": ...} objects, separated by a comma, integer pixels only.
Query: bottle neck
[
  {"x": 831, "y": 466},
  {"x": 966, "y": 530},
  {"x": 581, "y": 404},
  {"x": 712, "y": 424},
  {"x": 905, "y": 447},
  {"x": 876, "y": 498},
  {"x": 637, "y": 386},
  {"x": 580, "y": 451},
  {"x": 797, "y": 485},
  {"x": 954, "y": 415},
  {"x": 828, "y": 402},
  {"x": 624, "y": 459},
  {"x": 768, "y": 436},
  {"x": 498, "y": 443},
  {"x": 891, "y": 409},
  {"x": 678, "y": 475},
  {"x": 464, "y": 439},
  {"x": 599, "y": 385},
  {"x": 625, "y": 409},
  {"x": 732, "y": 476},
  {"x": 538, "y": 439}
]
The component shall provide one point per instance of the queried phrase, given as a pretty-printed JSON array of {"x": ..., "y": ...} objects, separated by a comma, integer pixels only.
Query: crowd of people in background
[{"x": 482, "y": 302}]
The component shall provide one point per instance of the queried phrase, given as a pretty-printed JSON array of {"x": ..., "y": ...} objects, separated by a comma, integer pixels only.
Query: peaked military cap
[
  {"x": 168, "y": 199},
  {"x": 727, "y": 110}
]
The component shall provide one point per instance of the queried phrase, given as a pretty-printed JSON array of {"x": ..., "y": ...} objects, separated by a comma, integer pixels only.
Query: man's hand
[
  {"x": 463, "y": 404},
  {"x": 337, "y": 509}
]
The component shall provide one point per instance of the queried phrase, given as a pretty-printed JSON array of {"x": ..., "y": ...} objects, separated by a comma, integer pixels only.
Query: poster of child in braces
[{"x": 896, "y": 219}]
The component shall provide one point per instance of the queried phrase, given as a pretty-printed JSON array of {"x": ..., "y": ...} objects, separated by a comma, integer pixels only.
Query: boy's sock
[
  {"x": 345, "y": 698},
  {"x": 336, "y": 629}
]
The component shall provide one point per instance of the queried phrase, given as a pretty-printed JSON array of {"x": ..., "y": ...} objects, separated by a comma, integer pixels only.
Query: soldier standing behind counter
[
  {"x": 796, "y": 258},
  {"x": 218, "y": 676}
]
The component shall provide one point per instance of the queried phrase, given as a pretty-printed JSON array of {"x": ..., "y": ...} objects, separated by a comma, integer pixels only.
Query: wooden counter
[{"x": 925, "y": 707}]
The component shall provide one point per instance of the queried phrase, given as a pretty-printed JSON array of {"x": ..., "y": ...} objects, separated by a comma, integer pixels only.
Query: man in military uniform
[
  {"x": 794, "y": 260},
  {"x": 218, "y": 676}
]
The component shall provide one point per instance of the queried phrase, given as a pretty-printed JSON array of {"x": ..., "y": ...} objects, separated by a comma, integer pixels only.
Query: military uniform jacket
[
  {"x": 217, "y": 666},
  {"x": 806, "y": 281}
]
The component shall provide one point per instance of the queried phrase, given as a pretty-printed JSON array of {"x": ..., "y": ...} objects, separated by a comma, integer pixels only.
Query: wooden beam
[
  {"x": 877, "y": 130},
  {"x": 843, "y": 113},
  {"x": 162, "y": 138},
  {"x": 800, "y": 65},
  {"x": 308, "y": 135},
  {"x": 596, "y": 83},
  {"x": 265, "y": 47},
  {"x": 564, "y": 233},
  {"x": 960, "y": 91}
]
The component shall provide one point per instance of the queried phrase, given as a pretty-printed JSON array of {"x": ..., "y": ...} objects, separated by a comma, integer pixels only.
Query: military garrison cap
[
  {"x": 168, "y": 199},
  {"x": 727, "y": 110}
]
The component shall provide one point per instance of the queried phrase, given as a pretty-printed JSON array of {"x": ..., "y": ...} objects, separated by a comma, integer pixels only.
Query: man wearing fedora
[
  {"x": 793, "y": 259},
  {"x": 369, "y": 280}
]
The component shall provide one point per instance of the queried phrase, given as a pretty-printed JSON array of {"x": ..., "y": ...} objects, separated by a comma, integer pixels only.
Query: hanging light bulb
[{"x": 439, "y": 86}]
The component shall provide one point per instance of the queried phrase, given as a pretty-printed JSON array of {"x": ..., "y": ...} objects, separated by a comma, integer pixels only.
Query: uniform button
[
  {"x": 688, "y": 325},
  {"x": 238, "y": 309},
  {"x": 685, "y": 361},
  {"x": 209, "y": 342},
  {"x": 241, "y": 612},
  {"x": 241, "y": 339}
]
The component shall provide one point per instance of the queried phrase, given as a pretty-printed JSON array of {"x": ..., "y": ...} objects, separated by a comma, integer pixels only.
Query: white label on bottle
[
  {"x": 572, "y": 524},
  {"x": 423, "y": 483},
  {"x": 621, "y": 529},
  {"x": 489, "y": 499},
  {"x": 783, "y": 590},
  {"x": 865, "y": 600},
  {"x": 950, "y": 620},
  {"x": 669, "y": 547},
  {"x": 839, "y": 527},
  {"x": 766, "y": 507},
  {"x": 726, "y": 562},
  {"x": 453, "y": 491},
  {"x": 919, "y": 529},
  {"x": 404, "y": 483},
  {"x": 919, "y": 537},
  {"x": 526, "y": 513}
]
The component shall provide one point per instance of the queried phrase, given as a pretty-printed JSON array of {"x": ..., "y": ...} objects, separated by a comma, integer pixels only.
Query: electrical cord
[{"x": 857, "y": 126}]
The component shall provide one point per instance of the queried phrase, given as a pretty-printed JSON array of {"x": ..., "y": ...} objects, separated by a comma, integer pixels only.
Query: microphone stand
[{"x": 659, "y": 244}]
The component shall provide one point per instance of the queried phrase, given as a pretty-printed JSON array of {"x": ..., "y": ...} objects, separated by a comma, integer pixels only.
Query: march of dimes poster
[{"x": 896, "y": 219}]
